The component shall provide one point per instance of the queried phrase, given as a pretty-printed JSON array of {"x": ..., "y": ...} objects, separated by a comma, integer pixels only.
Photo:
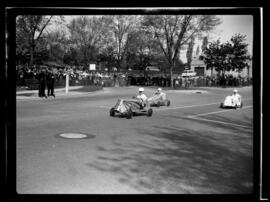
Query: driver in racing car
[
  {"x": 236, "y": 98},
  {"x": 142, "y": 97},
  {"x": 160, "y": 94},
  {"x": 138, "y": 101}
]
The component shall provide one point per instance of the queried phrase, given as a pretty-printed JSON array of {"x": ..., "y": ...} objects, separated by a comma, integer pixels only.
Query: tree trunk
[
  {"x": 119, "y": 65},
  {"x": 223, "y": 78},
  {"x": 31, "y": 56},
  {"x": 171, "y": 74}
]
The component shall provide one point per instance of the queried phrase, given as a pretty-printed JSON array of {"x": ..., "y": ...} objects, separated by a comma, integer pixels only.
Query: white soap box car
[{"x": 230, "y": 103}]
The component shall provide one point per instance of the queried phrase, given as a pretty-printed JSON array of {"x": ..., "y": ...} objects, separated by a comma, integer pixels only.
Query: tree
[
  {"x": 190, "y": 51},
  {"x": 172, "y": 32},
  {"x": 198, "y": 51},
  {"x": 210, "y": 55},
  {"x": 216, "y": 56},
  {"x": 108, "y": 56},
  {"x": 86, "y": 34},
  {"x": 57, "y": 45},
  {"x": 141, "y": 49},
  {"x": 239, "y": 56},
  {"x": 227, "y": 56},
  {"x": 29, "y": 29},
  {"x": 120, "y": 26},
  {"x": 204, "y": 43}
]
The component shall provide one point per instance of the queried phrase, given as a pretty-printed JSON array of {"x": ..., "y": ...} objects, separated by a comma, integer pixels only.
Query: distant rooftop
[{"x": 197, "y": 62}]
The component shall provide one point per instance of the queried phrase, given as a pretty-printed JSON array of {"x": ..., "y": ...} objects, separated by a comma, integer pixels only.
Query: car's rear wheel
[
  {"x": 241, "y": 104},
  {"x": 129, "y": 114},
  {"x": 158, "y": 104},
  {"x": 221, "y": 105},
  {"x": 150, "y": 112},
  {"x": 112, "y": 112}
]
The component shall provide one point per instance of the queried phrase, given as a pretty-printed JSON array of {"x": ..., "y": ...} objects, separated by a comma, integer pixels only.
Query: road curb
[{"x": 62, "y": 94}]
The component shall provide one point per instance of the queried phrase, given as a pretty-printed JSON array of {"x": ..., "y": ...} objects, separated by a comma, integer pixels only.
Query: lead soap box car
[
  {"x": 229, "y": 103},
  {"x": 129, "y": 107}
]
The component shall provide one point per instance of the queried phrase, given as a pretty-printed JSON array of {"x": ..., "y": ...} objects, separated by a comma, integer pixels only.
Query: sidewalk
[{"x": 59, "y": 92}]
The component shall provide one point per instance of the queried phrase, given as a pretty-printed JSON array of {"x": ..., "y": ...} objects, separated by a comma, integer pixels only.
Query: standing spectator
[
  {"x": 42, "y": 83},
  {"x": 187, "y": 82},
  {"x": 114, "y": 79},
  {"x": 50, "y": 83}
]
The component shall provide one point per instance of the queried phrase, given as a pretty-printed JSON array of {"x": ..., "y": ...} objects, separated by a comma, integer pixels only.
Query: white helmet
[
  {"x": 235, "y": 91},
  {"x": 159, "y": 89},
  {"x": 141, "y": 89}
]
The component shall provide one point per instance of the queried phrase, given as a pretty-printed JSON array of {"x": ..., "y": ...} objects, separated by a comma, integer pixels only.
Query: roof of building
[
  {"x": 197, "y": 62},
  {"x": 152, "y": 68}
]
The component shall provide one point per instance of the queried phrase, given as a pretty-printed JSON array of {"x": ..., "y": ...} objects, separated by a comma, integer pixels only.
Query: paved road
[{"x": 190, "y": 147}]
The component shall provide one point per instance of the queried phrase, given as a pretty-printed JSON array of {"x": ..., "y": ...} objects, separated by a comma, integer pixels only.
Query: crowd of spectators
[
  {"x": 178, "y": 81},
  {"x": 28, "y": 77}
]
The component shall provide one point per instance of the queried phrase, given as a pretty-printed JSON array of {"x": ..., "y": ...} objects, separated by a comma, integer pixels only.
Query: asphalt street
[{"x": 190, "y": 147}]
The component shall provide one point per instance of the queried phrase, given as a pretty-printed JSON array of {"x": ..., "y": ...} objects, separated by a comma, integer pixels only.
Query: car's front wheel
[
  {"x": 150, "y": 112},
  {"x": 168, "y": 103},
  {"x": 112, "y": 112},
  {"x": 129, "y": 114},
  {"x": 221, "y": 105}
]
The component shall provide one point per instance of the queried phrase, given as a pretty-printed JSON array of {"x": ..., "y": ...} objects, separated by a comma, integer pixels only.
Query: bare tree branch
[{"x": 43, "y": 27}]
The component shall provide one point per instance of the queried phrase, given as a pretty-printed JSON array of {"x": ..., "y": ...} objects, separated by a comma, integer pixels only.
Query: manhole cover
[{"x": 75, "y": 135}]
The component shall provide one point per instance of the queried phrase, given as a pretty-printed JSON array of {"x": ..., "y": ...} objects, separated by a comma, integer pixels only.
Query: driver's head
[
  {"x": 141, "y": 90},
  {"x": 159, "y": 90},
  {"x": 235, "y": 91}
]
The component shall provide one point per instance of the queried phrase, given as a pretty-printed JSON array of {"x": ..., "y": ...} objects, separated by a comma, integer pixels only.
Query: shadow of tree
[{"x": 176, "y": 160}]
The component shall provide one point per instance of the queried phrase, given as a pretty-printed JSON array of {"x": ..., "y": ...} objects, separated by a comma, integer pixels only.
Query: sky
[{"x": 233, "y": 24}]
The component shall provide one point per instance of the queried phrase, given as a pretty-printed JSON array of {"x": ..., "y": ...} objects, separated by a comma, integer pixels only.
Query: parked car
[{"x": 188, "y": 73}]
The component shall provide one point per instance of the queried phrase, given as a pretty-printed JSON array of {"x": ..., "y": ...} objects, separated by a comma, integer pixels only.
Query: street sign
[{"x": 92, "y": 66}]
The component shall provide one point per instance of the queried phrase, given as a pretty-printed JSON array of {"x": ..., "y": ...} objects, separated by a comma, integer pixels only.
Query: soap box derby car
[
  {"x": 129, "y": 107},
  {"x": 157, "y": 101},
  {"x": 230, "y": 103}
]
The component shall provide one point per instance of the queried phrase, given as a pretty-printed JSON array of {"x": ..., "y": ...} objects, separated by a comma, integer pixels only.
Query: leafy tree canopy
[{"x": 227, "y": 56}]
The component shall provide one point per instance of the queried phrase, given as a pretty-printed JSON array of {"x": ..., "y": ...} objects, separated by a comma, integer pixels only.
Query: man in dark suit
[
  {"x": 50, "y": 82},
  {"x": 42, "y": 83}
]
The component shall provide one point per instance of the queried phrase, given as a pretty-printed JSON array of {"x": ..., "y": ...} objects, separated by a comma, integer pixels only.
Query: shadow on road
[{"x": 177, "y": 160}]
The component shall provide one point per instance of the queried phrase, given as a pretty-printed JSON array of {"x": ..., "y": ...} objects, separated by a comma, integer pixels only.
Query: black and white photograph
[{"x": 154, "y": 102}]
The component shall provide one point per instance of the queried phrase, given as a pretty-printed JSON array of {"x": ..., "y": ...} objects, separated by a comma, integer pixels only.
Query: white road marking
[
  {"x": 179, "y": 107},
  {"x": 215, "y": 121},
  {"x": 167, "y": 108},
  {"x": 216, "y": 112},
  {"x": 222, "y": 122},
  {"x": 187, "y": 106}
]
